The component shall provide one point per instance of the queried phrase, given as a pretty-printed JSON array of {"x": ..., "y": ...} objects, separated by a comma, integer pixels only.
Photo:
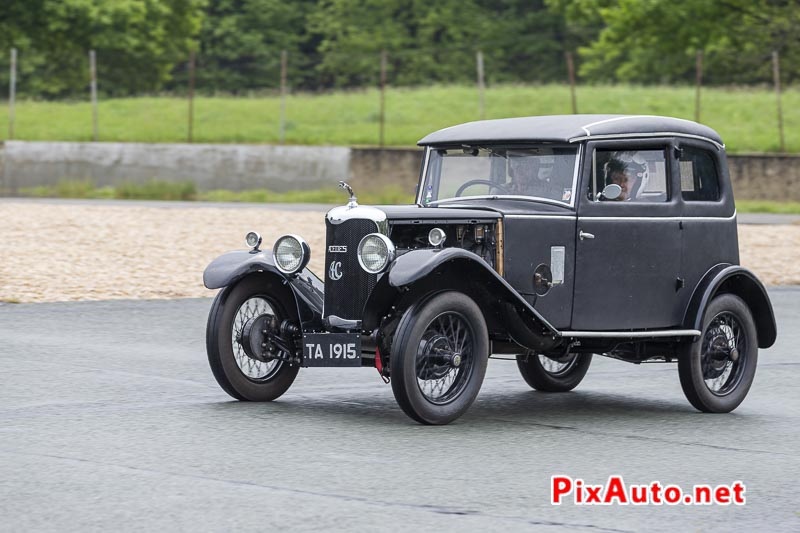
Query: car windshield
[{"x": 537, "y": 172}]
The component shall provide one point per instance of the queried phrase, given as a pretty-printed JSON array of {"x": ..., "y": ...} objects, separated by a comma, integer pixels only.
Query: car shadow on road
[{"x": 557, "y": 411}]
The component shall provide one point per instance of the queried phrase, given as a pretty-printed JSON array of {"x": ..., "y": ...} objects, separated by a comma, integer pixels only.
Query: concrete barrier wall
[
  {"x": 281, "y": 168},
  {"x": 765, "y": 177},
  {"x": 209, "y": 166}
]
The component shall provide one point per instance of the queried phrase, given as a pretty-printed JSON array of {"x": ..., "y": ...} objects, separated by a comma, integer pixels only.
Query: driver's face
[
  {"x": 626, "y": 181},
  {"x": 518, "y": 167}
]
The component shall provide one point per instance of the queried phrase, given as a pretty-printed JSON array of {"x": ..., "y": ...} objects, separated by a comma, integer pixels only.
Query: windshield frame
[{"x": 426, "y": 167}]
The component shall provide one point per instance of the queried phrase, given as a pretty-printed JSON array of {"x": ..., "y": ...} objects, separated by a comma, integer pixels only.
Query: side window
[
  {"x": 642, "y": 175},
  {"x": 699, "y": 179}
]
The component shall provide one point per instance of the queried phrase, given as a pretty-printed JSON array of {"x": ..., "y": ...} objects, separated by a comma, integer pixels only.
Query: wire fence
[{"x": 282, "y": 74}]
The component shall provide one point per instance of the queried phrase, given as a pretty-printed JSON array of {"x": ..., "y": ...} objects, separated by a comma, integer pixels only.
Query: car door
[{"x": 628, "y": 250}]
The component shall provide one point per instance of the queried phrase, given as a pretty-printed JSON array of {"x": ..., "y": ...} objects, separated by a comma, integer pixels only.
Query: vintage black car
[{"x": 548, "y": 238}]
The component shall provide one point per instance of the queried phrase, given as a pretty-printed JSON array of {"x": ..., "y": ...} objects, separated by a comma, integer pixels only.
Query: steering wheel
[{"x": 470, "y": 183}]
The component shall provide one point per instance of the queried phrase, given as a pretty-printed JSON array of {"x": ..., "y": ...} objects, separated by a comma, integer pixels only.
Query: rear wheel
[
  {"x": 717, "y": 370},
  {"x": 439, "y": 357},
  {"x": 553, "y": 375},
  {"x": 242, "y": 376}
]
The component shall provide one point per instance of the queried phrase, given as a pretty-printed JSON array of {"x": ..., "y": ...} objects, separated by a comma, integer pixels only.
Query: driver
[
  {"x": 628, "y": 175},
  {"x": 529, "y": 177}
]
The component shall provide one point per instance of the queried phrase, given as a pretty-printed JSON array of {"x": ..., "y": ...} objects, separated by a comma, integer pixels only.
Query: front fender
[
  {"x": 307, "y": 288},
  {"x": 232, "y": 266},
  {"x": 464, "y": 268},
  {"x": 734, "y": 279}
]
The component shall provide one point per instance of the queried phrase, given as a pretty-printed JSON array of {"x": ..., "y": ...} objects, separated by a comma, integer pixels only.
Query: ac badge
[{"x": 335, "y": 270}]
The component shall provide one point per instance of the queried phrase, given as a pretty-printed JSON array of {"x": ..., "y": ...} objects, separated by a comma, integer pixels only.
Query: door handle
[{"x": 583, "y": 235}]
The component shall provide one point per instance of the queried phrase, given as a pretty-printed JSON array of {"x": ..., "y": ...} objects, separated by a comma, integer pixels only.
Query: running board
[{"x": 631, "y": 334}]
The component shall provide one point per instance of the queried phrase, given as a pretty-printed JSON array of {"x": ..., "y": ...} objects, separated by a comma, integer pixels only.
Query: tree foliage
[
  {"x": 143, "y": 45},
  {"x": 430, "y": 42},
  {"x": 654, "y": 41},
  {"x": 241, "y": 43},
  {"x": 138, "y": 42}
]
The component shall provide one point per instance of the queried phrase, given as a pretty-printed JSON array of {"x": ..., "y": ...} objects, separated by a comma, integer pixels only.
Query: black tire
[
  {"x": 727, "y": 324},
  {"x": 222, "y": 354},
  {"x": 429, "y": 336},
  {"x": 562, "y": 380}
]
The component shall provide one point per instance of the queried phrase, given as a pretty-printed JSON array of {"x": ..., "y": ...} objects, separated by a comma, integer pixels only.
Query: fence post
[
  {"x": 12, "y": 93},
  {"x": 776, "y": 75},
  {"x": 282, "y": 131},
  {"x": 571, "y": 71},
  {"x": 382, "y": 114},
  {"x": 698, "y": 83},
  {"x": 93, "y": 92},
  {"x": 481, "y": 84},
  {"x": 191, "y": 94}
]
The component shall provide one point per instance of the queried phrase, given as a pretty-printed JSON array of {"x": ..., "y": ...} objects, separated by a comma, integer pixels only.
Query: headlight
[
  {"x": 375, "y": 252},
  {"x": 291, "y": 254}
]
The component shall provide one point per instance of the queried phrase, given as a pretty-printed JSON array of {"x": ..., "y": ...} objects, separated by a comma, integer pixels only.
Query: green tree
[
  {"x": 354, "y": 32},
  {"x": 436, "y": 41},
  {"x": 138, "y": 42},
  {"x": 241, "y": 42},
  {"x": 525, "y": 41},
  {"x": 656, "y": 41}
]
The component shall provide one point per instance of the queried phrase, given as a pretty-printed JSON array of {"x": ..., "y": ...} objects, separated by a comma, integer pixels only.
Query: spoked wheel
[
  {"x": 439, "y": 357},
  {"x": 717, "y": 370},
  {"x": 244, "y": 375},
  {"x": 553, "y": 375}
]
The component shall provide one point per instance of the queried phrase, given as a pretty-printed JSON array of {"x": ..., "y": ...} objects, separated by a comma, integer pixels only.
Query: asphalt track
[{"x": 110, "y": 420}]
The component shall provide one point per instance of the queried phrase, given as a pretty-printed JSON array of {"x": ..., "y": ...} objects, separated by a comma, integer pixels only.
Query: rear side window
[{"x": 699, "y": 179}]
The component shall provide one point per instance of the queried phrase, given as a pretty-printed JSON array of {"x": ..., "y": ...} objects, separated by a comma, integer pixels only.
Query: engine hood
[
  {"x": 409, "y": 213},
  {"x": 416, "y": 212},
  {"x": 472, "y": 210}
]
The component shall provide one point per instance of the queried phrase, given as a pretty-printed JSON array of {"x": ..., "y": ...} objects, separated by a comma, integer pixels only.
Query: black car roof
[{"x": 569, "y": 128}]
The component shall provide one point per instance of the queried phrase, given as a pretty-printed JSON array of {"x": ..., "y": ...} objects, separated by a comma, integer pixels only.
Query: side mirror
[{"x": 611, "y": 192}]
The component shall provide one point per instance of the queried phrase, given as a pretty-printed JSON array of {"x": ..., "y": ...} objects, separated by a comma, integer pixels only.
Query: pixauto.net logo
[{"x": 616, "y": 492}]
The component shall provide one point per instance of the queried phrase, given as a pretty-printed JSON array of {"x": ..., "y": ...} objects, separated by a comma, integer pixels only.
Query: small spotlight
[
  {"x": 253, "y": 240},
  {"x": 436, "y": 237}
]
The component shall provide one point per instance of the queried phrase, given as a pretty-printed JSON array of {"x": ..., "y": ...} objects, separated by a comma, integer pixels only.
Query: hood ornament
[{"x": 352, "y": 202}]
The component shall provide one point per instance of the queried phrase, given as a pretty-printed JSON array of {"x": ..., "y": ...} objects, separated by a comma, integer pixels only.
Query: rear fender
[
  {"x": 734, "y": 279},
  {"x": 308, "y": 289}
]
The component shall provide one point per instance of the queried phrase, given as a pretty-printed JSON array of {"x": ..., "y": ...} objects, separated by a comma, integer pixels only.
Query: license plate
[{"x": 331, "y": 349}]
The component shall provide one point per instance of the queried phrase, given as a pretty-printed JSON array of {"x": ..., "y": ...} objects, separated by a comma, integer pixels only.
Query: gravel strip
[{"x": 98, "y": 252}]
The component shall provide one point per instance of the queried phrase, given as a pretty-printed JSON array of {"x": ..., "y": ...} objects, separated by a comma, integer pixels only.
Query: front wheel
[
  {"x": 439, "y": 357},
  {"x": 240, "y": 375},
  {"x": 553, "y": 375},
  {"x": 717, "y": 370}
]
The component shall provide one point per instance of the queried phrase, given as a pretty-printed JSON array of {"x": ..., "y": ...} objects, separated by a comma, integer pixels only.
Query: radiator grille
[{"x": 346, "y": 296}]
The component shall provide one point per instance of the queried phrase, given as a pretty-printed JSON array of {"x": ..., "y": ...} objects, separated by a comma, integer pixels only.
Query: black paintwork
[
  {"x": 508, "y": 313},
  {"x": 649, "y": 267},
  {"x": 229, "y": 268},
  {"x": 431, "y": 214},
  {"x": 564, "y": 128},
  {"x": 743, "y": 283}
]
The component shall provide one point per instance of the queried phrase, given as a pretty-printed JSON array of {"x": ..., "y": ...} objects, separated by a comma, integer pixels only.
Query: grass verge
[
  {"x": 164, "y": 190},
  {"x": 186, "y": 191},
  {"x": 746, "y": 118},
  {"x": 765, "y": 206},
  {"x": 150, "y": 190}
]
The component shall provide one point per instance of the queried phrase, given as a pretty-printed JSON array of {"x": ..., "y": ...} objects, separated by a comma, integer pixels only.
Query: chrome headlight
[
  {"x": 375, "y": 252},
  {"x": 291, "y": 254}
]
